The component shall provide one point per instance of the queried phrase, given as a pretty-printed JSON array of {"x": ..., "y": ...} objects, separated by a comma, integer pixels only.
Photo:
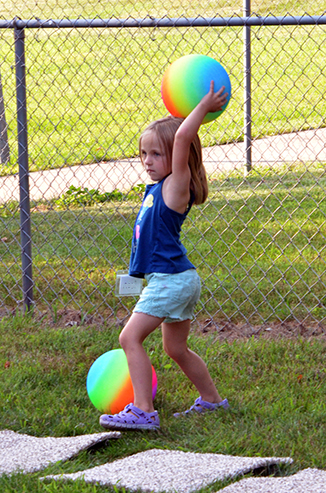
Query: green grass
[
  {"x": 258, "y": 244},
  {"x": 56, "y": 9},
  {"x": 90, "y": 92},
  {"x": 276, "y": 390},
  {"x": 261, "y": 245}
]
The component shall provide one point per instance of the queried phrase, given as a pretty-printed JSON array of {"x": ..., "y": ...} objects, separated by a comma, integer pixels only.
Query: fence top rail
[{"x": 130, "y": 22}]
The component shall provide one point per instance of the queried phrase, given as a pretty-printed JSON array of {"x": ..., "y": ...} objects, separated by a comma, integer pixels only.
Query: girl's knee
[
  {"x": 129, "y": 339},
  {"x": 177, "y": 353},
  {"x": 124, "y": 339}
]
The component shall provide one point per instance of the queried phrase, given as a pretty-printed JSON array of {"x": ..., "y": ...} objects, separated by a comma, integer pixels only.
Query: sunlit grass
[
  {"x": 56, "y": 9},
  {"x": 90, "y": 92}
]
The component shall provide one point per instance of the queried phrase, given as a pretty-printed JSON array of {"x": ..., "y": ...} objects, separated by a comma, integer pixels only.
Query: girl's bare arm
[{"x": 176, "y": 193}]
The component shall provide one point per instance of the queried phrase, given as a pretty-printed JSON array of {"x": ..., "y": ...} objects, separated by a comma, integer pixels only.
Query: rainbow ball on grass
[
  {"x": 188, "y": 79},
  {"x": 109, "y": 384}
]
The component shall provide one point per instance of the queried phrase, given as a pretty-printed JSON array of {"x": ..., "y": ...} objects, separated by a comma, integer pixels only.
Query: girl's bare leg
[
  {"x": 131, "y": 339},
  {"x": 175, "y": 345}
]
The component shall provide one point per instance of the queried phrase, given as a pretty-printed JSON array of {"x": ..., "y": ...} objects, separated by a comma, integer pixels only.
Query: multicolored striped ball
[
  {"x": 109, "y": 384},
  {"x": 188, "y": 79}
]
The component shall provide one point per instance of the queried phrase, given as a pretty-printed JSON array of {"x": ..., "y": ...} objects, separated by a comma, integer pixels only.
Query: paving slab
[
  {"x": 25, "y": 453},
  {"x": 306, "y": 481},
  {"x": 174, "y": 471}
]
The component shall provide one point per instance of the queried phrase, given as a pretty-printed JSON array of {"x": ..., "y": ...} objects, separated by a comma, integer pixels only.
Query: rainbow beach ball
[
  {"x": 187, "y": 80},
  {"x": 109, "y": 384}
]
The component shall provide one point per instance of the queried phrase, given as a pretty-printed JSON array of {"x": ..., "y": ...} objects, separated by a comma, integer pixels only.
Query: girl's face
[{"x": 153, "y": 157}]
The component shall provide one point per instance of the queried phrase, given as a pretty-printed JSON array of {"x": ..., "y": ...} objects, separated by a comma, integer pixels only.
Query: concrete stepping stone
[
  {"x": 24, "y": 453},
  {"x": 306, "y": 481},
  {"x": 170, "y": 470}
]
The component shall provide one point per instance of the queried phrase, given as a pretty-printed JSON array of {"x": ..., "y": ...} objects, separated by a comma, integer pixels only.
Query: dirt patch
[
  {"x": 230, "y": 331},
  {"x": 223, "y": 330},
  {"x": 68, "y": 317}
]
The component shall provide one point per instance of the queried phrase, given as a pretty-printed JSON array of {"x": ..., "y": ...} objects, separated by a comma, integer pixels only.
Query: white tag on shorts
[{"x": 127, "y": 285}]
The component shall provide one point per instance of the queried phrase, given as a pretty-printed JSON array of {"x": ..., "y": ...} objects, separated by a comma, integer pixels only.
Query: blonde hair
[{"x": 165, "y": 130}]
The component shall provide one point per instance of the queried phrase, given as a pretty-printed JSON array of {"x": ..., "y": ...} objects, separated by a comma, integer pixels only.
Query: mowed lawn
[
  {"x": 91, "y": 91},
  {"x": 258, "y": 244},
  {"x": 275, "y": 387}
]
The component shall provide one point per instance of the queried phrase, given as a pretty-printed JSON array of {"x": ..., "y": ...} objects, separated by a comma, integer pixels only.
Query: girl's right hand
[{"x": 214, "y": 101}]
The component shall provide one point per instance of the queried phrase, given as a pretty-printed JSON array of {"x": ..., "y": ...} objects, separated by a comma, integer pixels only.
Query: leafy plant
[{"x": 83, "y": 196}]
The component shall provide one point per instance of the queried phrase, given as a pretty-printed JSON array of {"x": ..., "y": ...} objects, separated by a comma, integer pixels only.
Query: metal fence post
[
  {"x": 247, "y": 87},
  {"x": 4, "y": 146},
  {"x": 25, "y": 217}
]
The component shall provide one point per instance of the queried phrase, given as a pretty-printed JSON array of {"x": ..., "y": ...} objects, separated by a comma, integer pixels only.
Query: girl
[{"x": 170, "y": 151}]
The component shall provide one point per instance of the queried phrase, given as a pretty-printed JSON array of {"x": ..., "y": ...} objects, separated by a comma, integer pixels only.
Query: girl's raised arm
[{"x": 176, "y": 194}]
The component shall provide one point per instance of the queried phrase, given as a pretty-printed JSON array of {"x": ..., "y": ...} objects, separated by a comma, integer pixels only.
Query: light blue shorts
[{"x": 170, "y": 296}]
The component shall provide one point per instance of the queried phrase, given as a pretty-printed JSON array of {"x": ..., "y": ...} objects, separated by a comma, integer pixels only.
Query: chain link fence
[{"x": 259, "y": 240}]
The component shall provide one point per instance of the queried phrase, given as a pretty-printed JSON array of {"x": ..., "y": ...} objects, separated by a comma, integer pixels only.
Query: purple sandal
[
  {"x": 131, "y": 418},
  {"x": 202, "y": 406}
]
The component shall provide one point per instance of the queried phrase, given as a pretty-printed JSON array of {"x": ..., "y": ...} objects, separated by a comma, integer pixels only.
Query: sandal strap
[
  {"x": 131, "y": 410},
  {"x": 131, "y": 417},
  {"x": 202, "y": 406}
]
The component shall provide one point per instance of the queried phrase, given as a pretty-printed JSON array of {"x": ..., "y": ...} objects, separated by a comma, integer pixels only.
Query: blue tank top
[{"x": 156, "y": 245}]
